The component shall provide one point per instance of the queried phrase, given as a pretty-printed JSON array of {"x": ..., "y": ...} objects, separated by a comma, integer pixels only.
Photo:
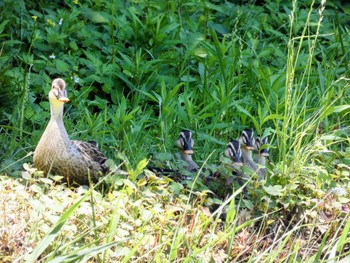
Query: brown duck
[{"x": 57, "y": 154}]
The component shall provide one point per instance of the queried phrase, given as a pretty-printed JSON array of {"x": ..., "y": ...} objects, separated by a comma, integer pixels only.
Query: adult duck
[{"x": 57, "y": 154}]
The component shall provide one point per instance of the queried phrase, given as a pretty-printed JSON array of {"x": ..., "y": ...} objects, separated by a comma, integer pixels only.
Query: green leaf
[
  {"x": 47, "y": 240},
  {"x": 142, "y": 164},
  {"x": 96, "y": 17},
  {"x": 61, "y": 65},
  {"x": 2, "y": 25},
  {"x": 128, "y": 183},
  {"x": 83, "y": 256},
  {"x": 275, "y": 190},
  {"x": 341, "y": 108},
  {"x": 273, "y": 117},
  {"x": 200, "y": 52}
]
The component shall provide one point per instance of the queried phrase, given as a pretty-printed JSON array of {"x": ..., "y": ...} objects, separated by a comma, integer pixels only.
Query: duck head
[
  {"x": 247, "y": 139},
  {"x": 259, "y": 143},
  {"x": 234, "y": 152},
  {"x": 185, "y": 142},
  {"x": 57, "y": 97}
]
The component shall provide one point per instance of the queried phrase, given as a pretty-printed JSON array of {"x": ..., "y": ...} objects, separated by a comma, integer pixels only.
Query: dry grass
[{"x": 149, "y": 217}]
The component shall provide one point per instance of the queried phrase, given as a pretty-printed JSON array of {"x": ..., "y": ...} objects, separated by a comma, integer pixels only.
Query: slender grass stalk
[{"x": 48, "y": 239}]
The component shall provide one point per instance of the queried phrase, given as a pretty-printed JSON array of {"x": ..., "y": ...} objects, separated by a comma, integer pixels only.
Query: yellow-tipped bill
[
  {"x": 238, "y": 163},
  {"x": 63, "y": 99},
  {"x": 188, "y": 151}
]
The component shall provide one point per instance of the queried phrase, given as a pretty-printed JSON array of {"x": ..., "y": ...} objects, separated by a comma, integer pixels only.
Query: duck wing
[{"x": 92, "y": 154}]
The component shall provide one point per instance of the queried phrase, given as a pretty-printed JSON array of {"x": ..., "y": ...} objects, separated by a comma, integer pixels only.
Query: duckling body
[{"x": 57, "y": 154}]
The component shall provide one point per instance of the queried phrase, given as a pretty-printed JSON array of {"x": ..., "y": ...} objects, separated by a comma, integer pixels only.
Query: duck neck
[
  {"x": 57, "y": 110},
  {"x": 247, "y": 155},
  {"x": 56, "y": 121},
  {"x": 262, "y": 159},
  {"x": 188, "y": 158}
]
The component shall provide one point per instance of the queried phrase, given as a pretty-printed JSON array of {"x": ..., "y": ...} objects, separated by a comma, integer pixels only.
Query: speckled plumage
[{"x": 57, "y": 154}]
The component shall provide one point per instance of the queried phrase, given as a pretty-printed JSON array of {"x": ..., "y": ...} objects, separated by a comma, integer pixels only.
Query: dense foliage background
[{"x": 140, "y": 71}]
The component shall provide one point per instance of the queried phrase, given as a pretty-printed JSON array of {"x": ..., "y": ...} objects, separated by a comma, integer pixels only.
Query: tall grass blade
[
  {"x": 47, "y": 240},
  {"x": 83, "y": 256}
]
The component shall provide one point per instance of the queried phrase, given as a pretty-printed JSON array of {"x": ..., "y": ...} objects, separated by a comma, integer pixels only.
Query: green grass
[{"x": 138, "y": 73}]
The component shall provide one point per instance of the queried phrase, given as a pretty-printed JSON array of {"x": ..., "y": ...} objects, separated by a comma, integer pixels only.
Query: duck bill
[
  {"x": 188, "y": 152},
  {"x": 264, "y": 152},
  {"x": 250, "y": 148},
  {"x": 237, "y": 160},
  {"x": 63, "y": 99},
  {"x": 238, "y": 163},
  {"x": 187, "y": 148}
]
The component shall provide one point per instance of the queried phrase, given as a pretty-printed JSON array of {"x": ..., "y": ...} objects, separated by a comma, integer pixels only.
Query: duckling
[
  {"x": 185, "y": 144},
  {"x": 234, "y": 152},
  {"x": 57, "y": 154},
  {"x": 247, "y": 145},
  {"x": 262, "y": 154}
]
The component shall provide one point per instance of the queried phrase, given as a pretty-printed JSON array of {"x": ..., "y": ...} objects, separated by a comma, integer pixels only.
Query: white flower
[
  {"x": 52, "y": 56},
  {"x": 60, "y": 22},
  {"x": 75, "y": 79},
  {"x": 339, "y": 191}
]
